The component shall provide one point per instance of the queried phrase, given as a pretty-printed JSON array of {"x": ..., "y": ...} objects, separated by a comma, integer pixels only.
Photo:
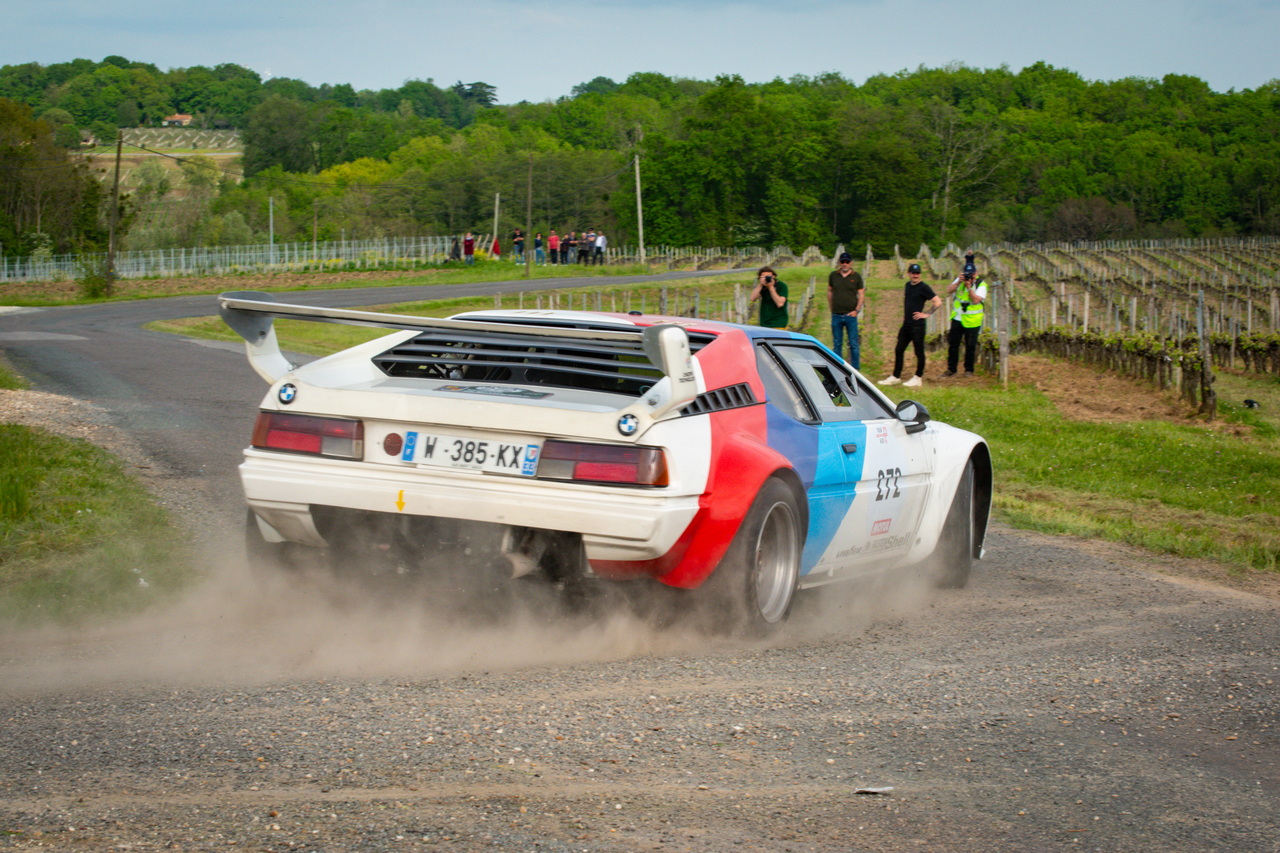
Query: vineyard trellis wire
[{"x": 1164, "y": 311}]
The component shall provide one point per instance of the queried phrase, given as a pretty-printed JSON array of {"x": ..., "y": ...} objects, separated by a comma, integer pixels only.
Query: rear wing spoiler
[{"x": 251, "y": 314}]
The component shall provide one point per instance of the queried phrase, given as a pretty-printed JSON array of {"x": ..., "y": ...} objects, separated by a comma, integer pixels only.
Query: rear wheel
[
  {"x": 756, "y": 582},
  {"x": 954, "y": 554}
]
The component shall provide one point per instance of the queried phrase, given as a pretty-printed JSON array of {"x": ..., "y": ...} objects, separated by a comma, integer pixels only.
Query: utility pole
[
  {"x": 271, "y": 229},
  {"x": 497, "y": 198},
  {"x": 115, "y": 215},
  {"x": 639, "y": 209},
  {"x": 528, "y": 222}
]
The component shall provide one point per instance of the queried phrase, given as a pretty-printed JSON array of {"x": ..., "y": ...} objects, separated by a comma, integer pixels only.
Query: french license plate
[{"x": 498, "y": 456}]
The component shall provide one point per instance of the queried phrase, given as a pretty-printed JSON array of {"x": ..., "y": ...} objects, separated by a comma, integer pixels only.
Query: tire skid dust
[{"x": 243, "y": 627}]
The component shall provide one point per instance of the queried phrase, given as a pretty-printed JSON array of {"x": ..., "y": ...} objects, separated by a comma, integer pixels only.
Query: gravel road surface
[{"x": 1075, "y": 696}]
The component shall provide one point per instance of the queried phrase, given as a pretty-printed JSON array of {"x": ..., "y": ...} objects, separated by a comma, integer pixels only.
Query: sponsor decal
[
  {"x": 288, "y": 393},
  {"x": 410, "y": 446},
  {"x": 881, "y": 527},
  {"x": 530, "y": 466},
  {"x": 882, "y": 434},
  {"x": 888, "y": 543},
  {"x": 495, "y": 391}
]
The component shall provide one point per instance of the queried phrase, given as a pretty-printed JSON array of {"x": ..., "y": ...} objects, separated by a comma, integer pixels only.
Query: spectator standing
[
  {"x": 967, "y": 314},
  {"x": 846, "y": 294},
  {"x": 600, "y": 245},
  {"x": 469, "y": 248},
  {"x": 455, "y": 250},
  {"x": 517, "y": 241},
  {"x": 916, "y": 295},
  {"x": 571, "y": 248},
  {"x": 772, "y": 293},
  {"x": 539, "y": 256},
  {"x": 586, "y": 246},
  {"x": 553, "y": 246}
]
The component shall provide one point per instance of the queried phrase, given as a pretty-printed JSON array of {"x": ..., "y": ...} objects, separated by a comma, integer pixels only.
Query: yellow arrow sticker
[{"x": 400, "y": 501}]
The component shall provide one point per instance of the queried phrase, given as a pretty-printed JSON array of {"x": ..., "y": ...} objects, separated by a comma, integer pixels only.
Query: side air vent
[{"x": 729, "y": 397}]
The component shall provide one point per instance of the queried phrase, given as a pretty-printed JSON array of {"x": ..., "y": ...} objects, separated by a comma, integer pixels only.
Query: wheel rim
[{"x": 776, "y": 562}]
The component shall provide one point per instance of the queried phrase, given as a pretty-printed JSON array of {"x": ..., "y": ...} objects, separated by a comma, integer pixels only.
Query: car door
[{"x": 871, "y": 477}]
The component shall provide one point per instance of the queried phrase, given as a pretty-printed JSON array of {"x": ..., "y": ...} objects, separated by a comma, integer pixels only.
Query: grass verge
[
  {"x": 79, "y": 538},
  {"x": 1182, "y": 489}
]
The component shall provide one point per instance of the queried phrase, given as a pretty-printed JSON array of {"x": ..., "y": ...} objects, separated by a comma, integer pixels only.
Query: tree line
[{"x": 928, "y": 156}]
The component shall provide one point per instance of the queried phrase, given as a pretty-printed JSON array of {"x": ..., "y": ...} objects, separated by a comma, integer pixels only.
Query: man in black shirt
[{"x": 916, "y": 296}]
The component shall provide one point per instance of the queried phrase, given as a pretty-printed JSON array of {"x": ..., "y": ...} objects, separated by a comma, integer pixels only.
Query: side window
[
  {"x": 779, "y": 387},
  {"x": 830, "y": 388},
  {"x": 874, "y": 400}
]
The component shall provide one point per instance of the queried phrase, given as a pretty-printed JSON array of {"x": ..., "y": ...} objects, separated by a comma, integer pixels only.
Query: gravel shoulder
[{"x": 1063, "y": 699}]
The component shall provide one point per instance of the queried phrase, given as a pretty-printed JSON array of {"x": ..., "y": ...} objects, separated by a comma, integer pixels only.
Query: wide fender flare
[
  {"x": 948, "y": 471},
  {"x": 744, "y": 464}
]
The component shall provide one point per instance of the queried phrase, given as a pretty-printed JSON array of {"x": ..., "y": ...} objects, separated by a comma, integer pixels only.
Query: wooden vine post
[
  {"x": 1002, "y": 332},
  {"x": 1208, "y": 397}
]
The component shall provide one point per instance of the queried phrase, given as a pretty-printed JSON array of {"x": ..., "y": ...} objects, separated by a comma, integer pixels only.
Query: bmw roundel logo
[
  {"x": 287, "y": 392},
  {"x": 628, "y": 424}
]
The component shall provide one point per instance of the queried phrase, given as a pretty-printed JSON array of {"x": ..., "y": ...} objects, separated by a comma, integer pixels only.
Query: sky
[{"x": 537, "y": 50}]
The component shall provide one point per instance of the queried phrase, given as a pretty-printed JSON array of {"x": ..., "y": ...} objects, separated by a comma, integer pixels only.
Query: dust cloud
[{"x": 240, "y": 628}]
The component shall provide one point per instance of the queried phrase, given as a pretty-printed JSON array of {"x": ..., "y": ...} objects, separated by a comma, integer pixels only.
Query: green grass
[
  {"x": 79, "y": 537},
  {"x": 1178, "y": 488},
  {"x": 1181, "y": 489},
  {"x": 1186, "y": 488},
  {"x": 46, "y": 294},
  {"x": 9, "y": 381}
]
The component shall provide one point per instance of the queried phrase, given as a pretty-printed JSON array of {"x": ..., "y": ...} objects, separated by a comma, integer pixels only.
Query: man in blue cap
[{"x": 966, "y": 317}]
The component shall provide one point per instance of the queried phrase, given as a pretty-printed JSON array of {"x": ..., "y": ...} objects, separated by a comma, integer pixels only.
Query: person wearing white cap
[{"x": 916, "y": 296}]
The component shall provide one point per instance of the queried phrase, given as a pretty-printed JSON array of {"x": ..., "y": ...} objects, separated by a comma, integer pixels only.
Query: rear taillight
[
  {"x": 603, "y": 463},
  {"x": 309, "y": 434}
]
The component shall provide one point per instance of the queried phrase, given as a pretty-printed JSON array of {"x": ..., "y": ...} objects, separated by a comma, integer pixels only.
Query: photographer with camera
[
  {"x": 966, "y": 317},
  {"x": 772, "y": 293}
]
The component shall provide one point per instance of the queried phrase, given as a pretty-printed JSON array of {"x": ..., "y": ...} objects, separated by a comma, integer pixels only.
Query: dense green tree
[
  {"x": 47, "y": 195},
  {"x": 279, "y": 133},
  {"x": 599, "y": 85}
]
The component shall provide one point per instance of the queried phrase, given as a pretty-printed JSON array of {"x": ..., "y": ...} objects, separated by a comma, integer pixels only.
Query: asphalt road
[{"x": 1074, "y": 696}]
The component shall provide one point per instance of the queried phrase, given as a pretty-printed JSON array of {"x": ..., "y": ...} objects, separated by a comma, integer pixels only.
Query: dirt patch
[{"x": 1083, "y": 394}]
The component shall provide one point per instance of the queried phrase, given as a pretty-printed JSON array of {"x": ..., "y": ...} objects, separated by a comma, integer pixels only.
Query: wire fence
[{"x": 342, "y": 255}]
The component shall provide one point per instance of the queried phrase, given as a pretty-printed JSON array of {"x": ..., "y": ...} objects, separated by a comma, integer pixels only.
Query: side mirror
[{"x": 913, "y": 414}]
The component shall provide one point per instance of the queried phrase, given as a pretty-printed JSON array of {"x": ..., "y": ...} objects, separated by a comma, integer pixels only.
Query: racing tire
[
  {"x": 755, "y": 584},
  {"x": 954, "y": 554}
]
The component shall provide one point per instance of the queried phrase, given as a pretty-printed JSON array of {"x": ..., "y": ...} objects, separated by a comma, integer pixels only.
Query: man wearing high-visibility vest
[{"x": 966, "y": 318}]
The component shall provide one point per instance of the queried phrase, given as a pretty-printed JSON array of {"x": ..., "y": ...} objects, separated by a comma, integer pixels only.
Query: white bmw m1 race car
[{"x": 735, "y": 462}]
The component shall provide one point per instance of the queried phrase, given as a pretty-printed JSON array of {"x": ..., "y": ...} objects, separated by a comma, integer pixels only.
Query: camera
[{"x": 768, "y": 279}]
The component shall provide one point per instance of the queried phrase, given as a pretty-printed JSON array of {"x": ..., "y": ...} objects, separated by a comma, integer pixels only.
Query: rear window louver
[
  {"x": 512, "y": 358},
  {"x": 729, "y": 397}
]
